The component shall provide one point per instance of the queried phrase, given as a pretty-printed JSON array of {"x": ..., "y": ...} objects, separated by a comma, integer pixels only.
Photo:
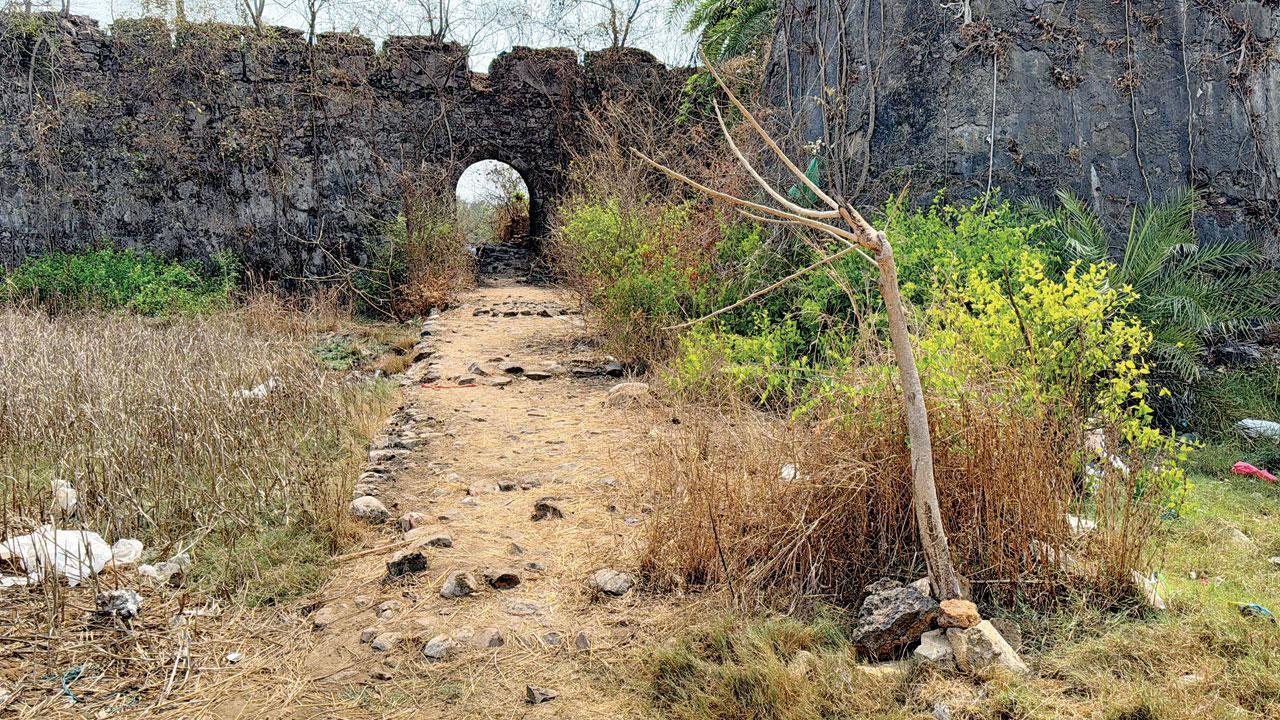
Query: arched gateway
[{"x": 215, "y": 137}]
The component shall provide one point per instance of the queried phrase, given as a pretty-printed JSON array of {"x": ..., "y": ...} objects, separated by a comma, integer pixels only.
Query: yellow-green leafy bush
[{"x": 1069, "y": 344}]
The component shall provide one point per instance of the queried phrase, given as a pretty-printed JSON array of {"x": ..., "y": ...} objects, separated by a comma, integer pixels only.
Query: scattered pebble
[
  {"x": 611, "y": 582},
  {"x": 502, "y": 579},
  {"x": 385, "y": 642},
  {"x": 522, "y": 608},
  {"x": 430, "y": 536},
  {"x": 459, "y": 583},
  {"x": 369, "y": 509},
  {"x": 547, "y": 509},
  {"x": 411, "y": 520},
  {"x": 387, "y": 610},
  {"x": 407, "y": 562},
  {"x": 535, "y": 695},
  {"x": 327, "y": 615},
  {"x": 489, "y": 638},
  {"x": 440, "y": 647}
]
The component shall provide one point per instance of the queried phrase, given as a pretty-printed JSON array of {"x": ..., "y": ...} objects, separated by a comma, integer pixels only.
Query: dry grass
[
  {"x": 152, "y": 425},
  {"x": 433, "y": 255},
  {"x": 772, "y": 667},
  {"x": 1007, "y": 478},
  {"x": 149, "y": 421},
  {"x": 1202, "y": 658}
]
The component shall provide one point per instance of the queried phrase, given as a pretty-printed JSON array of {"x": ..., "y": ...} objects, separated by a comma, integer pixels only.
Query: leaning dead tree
[{"x": 848, "y": 227}]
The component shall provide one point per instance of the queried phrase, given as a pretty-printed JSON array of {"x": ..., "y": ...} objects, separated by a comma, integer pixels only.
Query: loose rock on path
[{"x": 508, "y": 439}]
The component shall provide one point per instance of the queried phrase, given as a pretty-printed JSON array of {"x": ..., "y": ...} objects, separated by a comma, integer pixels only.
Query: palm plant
[
  {"x": 729, "y": 28},
  {"x": 1188, "y": 292}
]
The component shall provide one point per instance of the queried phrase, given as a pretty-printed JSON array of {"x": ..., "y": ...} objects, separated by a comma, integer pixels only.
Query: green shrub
[
  {"x": 419, "y": 262},
  {"x": 769, "y": 365},
  {"x": 1069, "y": 342},
  {"x": 639, "y": 270},
  {"x": 780, "y": 344},
  {"x": 121, "y": 279},
  {"x": 939, "y": 245}
]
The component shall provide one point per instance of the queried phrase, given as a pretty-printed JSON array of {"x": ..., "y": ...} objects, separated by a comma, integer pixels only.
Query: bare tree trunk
[
  {"x": 924, "y": 490},
  {"x": 857, "y": 235}
]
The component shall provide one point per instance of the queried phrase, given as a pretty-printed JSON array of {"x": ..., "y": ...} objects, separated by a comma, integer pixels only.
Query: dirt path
[{"x": 553, "y": 437}]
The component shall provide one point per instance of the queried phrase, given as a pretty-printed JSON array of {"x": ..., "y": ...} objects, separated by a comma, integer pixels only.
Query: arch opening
[{"x": 495, "y": 212}]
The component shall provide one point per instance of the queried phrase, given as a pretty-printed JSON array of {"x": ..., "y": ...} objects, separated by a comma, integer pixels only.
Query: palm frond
[
  {"x": 1224, "y": 256},
  {"x": 1158, "y": 234},
  {"x": 1080, "y": 230},
  {"x": 729, "y": 28},
  {"x": 1186, "y": 292},
  {"x": 1177, "y": 361}
]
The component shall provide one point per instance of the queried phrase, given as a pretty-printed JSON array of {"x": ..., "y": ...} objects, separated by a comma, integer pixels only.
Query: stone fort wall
[{"x": 213, "y": 137}]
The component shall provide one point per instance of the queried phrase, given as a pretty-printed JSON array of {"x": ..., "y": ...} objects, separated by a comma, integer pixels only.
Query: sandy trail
[{"x": 552, "y": 437}]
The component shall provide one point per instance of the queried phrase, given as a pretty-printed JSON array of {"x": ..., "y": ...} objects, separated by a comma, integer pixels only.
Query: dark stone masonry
[
  {"x": 277, "y": 149},
  {"x": 1116, "y": 100},
  {"x": 288, "y": 152}
]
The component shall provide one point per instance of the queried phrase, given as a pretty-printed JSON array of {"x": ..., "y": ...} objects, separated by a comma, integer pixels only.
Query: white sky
[{"x": 475, "y": 183}]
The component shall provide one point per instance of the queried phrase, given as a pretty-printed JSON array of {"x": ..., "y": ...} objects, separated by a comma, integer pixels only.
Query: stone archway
[{"x": 212, "y": 137}]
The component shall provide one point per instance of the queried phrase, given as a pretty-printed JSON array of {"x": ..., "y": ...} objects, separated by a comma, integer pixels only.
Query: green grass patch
[
  {"x": 267, "y": 568},
  {"x": 121, "y": 280}
]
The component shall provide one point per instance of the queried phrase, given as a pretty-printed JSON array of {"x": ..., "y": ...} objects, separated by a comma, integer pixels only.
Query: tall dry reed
[
  {"x": 794, "y": 510},
  {"x": 184, "y": 433}
]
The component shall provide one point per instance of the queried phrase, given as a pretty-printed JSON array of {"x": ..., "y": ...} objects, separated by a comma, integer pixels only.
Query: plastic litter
[
  {"x": 67, "y": 678},
  {"x": 162, "y": 573},
  {"x": 159, "y": 574},
  {"x": 123, "y": 604},
  {"x": 260, "y": 392},
  {"x": 126, "y": 551},
  {"x": 1258, "y": 429},
  {"x": 1244, "y": 468},
  {"x": 1080, "y": 526},
  {"x": 65, "y": 497},
  {"x": 1256, "y": 610},
  {"x": 1152, "y": 588},
  {"x": 789, "y": 473},
  {"x": 71, "y": 554}
]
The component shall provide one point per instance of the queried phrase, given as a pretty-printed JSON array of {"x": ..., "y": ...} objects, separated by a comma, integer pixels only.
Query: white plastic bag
[
  {"x": 71, "y": 554},
  {"x": 126, "y": 551},
  {"x": 65, "y": 497}
]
